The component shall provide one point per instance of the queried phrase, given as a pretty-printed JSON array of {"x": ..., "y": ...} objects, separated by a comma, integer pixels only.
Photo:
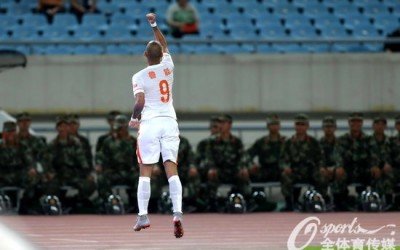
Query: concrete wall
[{"x": 331, "y": 82}]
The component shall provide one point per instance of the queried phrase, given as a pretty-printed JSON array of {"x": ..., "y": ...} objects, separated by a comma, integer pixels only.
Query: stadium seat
[
  {"x": 265, "y": 48},
  {"x": 317, "y": 47},
  {"x": 225, "y": 11},
  {"x": 206, "y": 49},
  {"x": 327, "y": 20},
  {"x": 332, "y": 3},
  {"x": 266, "y": 20},
  {"x": 3, "y": 33},
  {"x": 213, "y": 4},
  {"x": 66, "y": 20},
  {"x": 365, "y": 31},
  {"x": 53, "y": 49},
  {"x": 243, "y": 33},
  {"x": 372, "y": 10},
  {"x": 296, "y": 20},
  {"x": 94, "y": 20},
  {"x": 245, "y": 3},
  {"x": 108, "y": 8},
  {"x": 334, "y": 32},
  {"x": 275, "y": 32},
  {"x": 119, "y": 49},
  {"x": 396, "y": 10},
  {"x": 24, "y": 33},
  {"x": 314, "y": 10},
  {"x": 345, "y": 9},
  {"x": 119, "y": 32},
  {"x": 290, "y": 48},
  {"x": 56, "y": 33},
  {"x": 87, "y": 50},
  {"x": 304, "y": 3},
  {"x": 353, "y": 20},
  {"x": 241, "y": 21},
  {"x": 270, "y": 4},
  {"x": 87, "y": 33},
  {"x": 283, "y": 10},
  {"x": 390, "y": 3},
  {"x": 237, "y": 49},
  {"x": 386, "y": 23},
  {"x": 8, "y": 20},
  {"x": 362, "y": 3},
  {"x": 12, "y": 8},
  {"x": 144, "y": 32},
  {"x": 36, "y": 20},
  {"x": 303, "y": 32}
]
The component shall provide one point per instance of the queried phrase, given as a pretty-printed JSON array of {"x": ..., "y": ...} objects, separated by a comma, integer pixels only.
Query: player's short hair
[{"x": 154, "y": 50}]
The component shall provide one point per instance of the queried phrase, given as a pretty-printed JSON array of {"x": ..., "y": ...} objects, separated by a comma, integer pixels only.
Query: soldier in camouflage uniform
[
  {"x": 353, "y": 162},
  {"x": 110, "y": 120},
  {"x": 202, "y": 146},
  {"x": 267, "y": 150},
  {"x": 224, "y": 161},
  {"x": 66, "y": 165},
  {"x": 116, "y": 161},
  {"x": 17, "y": 168},
  {"x": 395, "y": 159},
  {"x": 302, "y": 162},
  {"x": 329, "y": 141},
  {"x": 74, "y": 124}
]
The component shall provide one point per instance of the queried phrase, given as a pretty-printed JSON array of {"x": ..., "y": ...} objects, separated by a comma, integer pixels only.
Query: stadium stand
[{"x": 258, "y": 21}]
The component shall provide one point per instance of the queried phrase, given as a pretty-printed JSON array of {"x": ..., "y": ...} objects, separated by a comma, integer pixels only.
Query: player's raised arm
[{"x": 151, "y": 17}]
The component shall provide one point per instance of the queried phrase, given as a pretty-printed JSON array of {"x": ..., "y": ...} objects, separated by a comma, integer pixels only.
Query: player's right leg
[{"x": 143, "y": 197}]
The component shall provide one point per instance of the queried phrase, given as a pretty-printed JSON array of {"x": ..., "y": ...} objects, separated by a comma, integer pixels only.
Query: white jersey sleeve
[{"x": 137, "y": 84}]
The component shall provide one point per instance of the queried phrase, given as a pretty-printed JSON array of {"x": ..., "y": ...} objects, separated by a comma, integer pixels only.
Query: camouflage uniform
[
  {"x": 118, "y": 161},
  {"x": 110, "y": 120},
  {"x": 353, "y": 155},
  {"x": 17, "y": 166},
  {"x": 303, "y": 156},
  {"x": 75, "y": 121},
  {"x": 329, "y": 145},
  {"x": 66, "y": 165},
  {"x": 225, "y": 156},
  {"x": 267, "y": 150}
]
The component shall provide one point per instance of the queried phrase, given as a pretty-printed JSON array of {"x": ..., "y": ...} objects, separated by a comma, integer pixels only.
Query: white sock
[
  {"x": 143, "y": 194},
  {"x": 175, "y": 192}
]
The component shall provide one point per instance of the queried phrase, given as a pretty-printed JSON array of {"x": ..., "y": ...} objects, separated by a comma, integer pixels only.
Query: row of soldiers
[{"x": 45, "y": 168}]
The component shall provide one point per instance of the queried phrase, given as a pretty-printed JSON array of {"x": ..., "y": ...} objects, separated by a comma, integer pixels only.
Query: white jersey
[{"x": 156, "y": 81}]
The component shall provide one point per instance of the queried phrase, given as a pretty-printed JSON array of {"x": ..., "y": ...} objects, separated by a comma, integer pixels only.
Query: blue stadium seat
[
  {"x": 88, "y": 50},
  {"x": 291, "y": 48},
  {"x": 327, "y": 20},
  {"x": 386, "y": 23},
  {"x": 53, "y": 49},
  {"x": 334, "y": 32},
  {"x": 108, "y": 8},
  {"x": 372, "y": 10},
  {"x": 332, "y": 3},
  {"x": 345, "y": 9},
  {"x": 237, "y": 49},
  {"x": 390, "y": 3},
  {"x": 283, "y": 10},
  {"x": 365, "y": 31},
  {"x": 66, "y": 20},
  {"x": 87, "y": 33},
  {"x": 12, "y": 8},
  {"x": 220, "y": 35},
  {"x": 213, "y": 4},
  {"x": 212, "y": 31},
  {"x": 296, "y": 20},
  {"x": 315, "y": 10},
  {"x": 243, "y": 33},
  {"x": 265, "y": 48},
  {"x": 37, "y": 20},
  {"x": 270, "y": 4},
  {"x": 396, "y": 10},
  {"x": 3, "y": 33},
  {"x": 305, "y": 3},
  {"x": 118, "y": 33},
  {"x": 94, "y": 20},
  {"x": 303, "y": 32},
  {"x": 201, "y": 9},
  {"x": 362, "y": 3},
  {"x": 187, "y": 48},
  {"x": 317, "y": 47},
  {"x": 351, "y": 21},
  {"x": 206, "y": 49},
  {"x": 225, "y": 11},
  {"x": 24, "y": 33},
  {"x": 245, "y": 4},
  {"x": 276, "y": 32},
  {"x": 144, "y": 32},
  {"x": 119, "y": 49},
  {"x": 267, "y": 20},
  {"x": 348, "y": 48},
  {"x": 239, "y": 21},
  {"x": 56, "y": 33},
  {"x": 173, "y": 49},
  {"x": 8, "y": 20}
]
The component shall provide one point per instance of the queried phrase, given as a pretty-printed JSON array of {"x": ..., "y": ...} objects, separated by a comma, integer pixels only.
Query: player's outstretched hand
[{"x": 151, "y": 17}]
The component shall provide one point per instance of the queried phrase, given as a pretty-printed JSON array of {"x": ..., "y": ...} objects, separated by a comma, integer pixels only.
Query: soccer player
[{"x": 158, "y": 131}]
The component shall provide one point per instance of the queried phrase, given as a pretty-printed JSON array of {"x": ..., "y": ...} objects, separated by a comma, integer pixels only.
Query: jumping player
[{"x": 158, "y": 131}]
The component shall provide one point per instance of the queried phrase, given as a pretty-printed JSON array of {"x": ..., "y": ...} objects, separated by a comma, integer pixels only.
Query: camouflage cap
[
  {"x": 9, "y": 126},
  {"x": 356, "y": 116},
  {"x": 120, "y": 121},
  {"x": 380, "y": 118},
  {"x": 301, "y": 118},
  {"x": 23, "y": 116},
  {"x": 213, "y": 120},
  {"x": 397, "y": 119},
  {"x": 328, "y": 121},
  {"x": 225, "y": 118},
  {"x": 112, "y": 114},
  {"x": 73, "y": 118},
  {"x": 62, "y": 119},
  {"x": 273, "y": 119}
]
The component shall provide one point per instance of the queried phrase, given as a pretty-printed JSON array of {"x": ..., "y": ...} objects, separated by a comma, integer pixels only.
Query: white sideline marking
[{"x": 74, "y": 240}]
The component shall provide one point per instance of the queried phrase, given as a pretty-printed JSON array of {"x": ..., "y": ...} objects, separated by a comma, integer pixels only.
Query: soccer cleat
[
  {"x": 142, "y": 222},
  {"x": 178, "y": 229}
]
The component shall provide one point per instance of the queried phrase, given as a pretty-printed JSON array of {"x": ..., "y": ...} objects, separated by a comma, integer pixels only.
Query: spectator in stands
[
  {"x": 381, "y": 171},
  {"x": 267, "y": 150},
  {"x": 110, "y": 120},
  {"x": 395, "y": 159},
  {"x": 393, "y": 47},
  {"x": 74, "y": 125},
  {"x": 224, "y": 162},
  {"x": 353, "y": 163},
  {"x": 80, "y": 7},
  {"x": 66, "y": 165},
  {"x": 302, "y": 162},
  {"x": 17, "y": 169},
  {"x": 183, "y": 18},
  {"x": 50, "y": 8},
  {"x": 116, "y": 162}
]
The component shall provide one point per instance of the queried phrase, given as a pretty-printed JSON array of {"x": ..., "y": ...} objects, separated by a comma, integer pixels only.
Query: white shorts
[{"x": 155, "y": 136}]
